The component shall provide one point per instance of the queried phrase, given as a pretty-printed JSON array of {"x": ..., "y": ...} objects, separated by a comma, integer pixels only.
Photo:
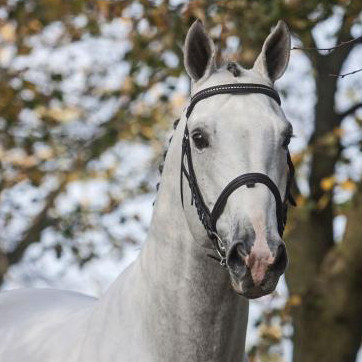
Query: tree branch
[
  {"x": 349, "y": 111},
  {"x": 32, "y": 235},
  {"x": 342, "y": 44},
  {"x": 345, "y": 74},
  {"x": 308, "y": 40}
]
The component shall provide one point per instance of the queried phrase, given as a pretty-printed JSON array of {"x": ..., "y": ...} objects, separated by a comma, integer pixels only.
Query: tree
[{"x": 42, "y": 105}]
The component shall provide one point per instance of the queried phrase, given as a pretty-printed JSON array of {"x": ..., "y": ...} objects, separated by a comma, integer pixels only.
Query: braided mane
[{"x": 160, "y": 167}]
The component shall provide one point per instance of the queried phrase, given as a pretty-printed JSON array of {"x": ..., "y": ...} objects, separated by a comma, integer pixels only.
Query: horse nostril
[
  {"x": 240, "y": 251},
  {"x": 236, "y": 259},
  {"x": 281, "y": 260}
]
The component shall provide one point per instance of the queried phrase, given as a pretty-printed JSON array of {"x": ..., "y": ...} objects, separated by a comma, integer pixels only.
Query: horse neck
[
  {"x": 173, "y": 293},
  {"x": 188, "y": 290}
]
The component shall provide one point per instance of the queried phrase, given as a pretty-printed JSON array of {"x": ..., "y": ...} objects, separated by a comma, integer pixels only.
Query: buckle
[{"x": 219, "y": 247}]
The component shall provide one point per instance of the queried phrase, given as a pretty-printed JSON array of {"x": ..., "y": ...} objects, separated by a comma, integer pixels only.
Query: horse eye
[{"x": 200, "y": 140}]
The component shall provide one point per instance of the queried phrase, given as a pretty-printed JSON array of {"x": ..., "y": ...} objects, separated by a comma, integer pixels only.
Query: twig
[
  {"x": 356, "y": 40},
  {"x": 345, "y": 74}
]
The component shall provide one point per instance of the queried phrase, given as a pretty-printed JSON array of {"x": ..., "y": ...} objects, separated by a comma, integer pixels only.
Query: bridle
[{"x": 209, "y": 218}]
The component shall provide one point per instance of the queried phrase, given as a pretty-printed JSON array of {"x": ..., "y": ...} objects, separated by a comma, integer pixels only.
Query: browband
[{"x": 233, "y": 88}]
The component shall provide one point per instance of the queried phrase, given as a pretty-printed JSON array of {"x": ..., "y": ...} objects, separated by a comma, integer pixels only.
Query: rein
[{"x": 209, "y": 218}]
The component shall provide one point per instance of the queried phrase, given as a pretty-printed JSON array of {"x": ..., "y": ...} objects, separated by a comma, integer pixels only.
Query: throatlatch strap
[
  {"x": 289, "y": 196},
  {"x": 196, "y": 195}
]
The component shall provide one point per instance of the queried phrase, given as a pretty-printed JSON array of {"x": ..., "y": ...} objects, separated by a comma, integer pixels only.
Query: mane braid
[{"x": 160, "y": 167}]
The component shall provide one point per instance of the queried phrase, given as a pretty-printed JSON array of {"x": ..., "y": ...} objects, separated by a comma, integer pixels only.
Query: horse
[{"x": 223, "y": 195}]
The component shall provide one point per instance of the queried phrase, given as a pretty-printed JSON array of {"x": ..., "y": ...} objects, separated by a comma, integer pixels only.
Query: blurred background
[{"x": 88, "y": 94}]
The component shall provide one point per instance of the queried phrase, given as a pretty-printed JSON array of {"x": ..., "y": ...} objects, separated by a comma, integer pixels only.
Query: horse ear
[
  {"x": 199, "y": 52},
  {"x": 274, "y": 57}
]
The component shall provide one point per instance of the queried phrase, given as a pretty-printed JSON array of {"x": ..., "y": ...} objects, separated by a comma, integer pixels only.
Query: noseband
[{"x": 209, "y": 218}]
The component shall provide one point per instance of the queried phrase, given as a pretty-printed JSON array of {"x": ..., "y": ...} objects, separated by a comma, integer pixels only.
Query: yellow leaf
[
  {"x": 35, "y": 25},
  {"x": 297, "y": 158},
  {"x": 348, "y": 185},
  {"x": 323, "y": 201},
  {"x": 59, "y": 114},
  {"x": 339, "y": 132},
  {"x": 199, "y": 13},
  {"x": 147, "y": 132},
  {"x": 300, "y": 200},
  {"x": 103, "y": 7},
  {"x": 7, "y": 32},
  {"x": 19, "y": 160},
  {"x": 44, "y": 154},
  {"x": 295, "y": 300},
  {"x": 128, "y": 85},
  {"x": 271, "y": 332},
  {"x": 73, "y": 176},
  {"x": 327, "y": 183}
]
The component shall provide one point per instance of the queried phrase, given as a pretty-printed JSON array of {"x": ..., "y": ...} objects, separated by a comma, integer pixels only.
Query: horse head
[{"x": 240, "y": 163}]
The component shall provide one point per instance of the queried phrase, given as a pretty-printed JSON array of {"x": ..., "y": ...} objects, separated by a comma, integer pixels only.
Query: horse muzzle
[{"x": 256, "y": 273}]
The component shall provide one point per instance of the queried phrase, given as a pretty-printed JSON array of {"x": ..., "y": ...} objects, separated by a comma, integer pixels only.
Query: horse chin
[{"x": 247, "y": 289}]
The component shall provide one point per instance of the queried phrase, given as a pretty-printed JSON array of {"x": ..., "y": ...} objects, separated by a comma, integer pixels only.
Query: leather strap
[
  {"x": 233, "y": 88},
  {"x": 248, "y": 179}
]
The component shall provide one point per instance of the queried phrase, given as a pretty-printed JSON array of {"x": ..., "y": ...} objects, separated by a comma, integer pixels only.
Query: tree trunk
[
  {"x": 328, "y": 322},
  {"x": 327, "y": 276}
]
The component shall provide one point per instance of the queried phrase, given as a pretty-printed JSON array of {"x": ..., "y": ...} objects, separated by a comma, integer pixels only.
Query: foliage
[{"x": 80, "y": 78}]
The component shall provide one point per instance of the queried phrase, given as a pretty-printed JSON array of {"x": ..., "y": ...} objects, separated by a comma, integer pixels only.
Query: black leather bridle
[{"x": 209, "y": 218}]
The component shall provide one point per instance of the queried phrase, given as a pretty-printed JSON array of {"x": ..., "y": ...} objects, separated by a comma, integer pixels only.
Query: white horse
[{"x": 174, "y": 303}]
